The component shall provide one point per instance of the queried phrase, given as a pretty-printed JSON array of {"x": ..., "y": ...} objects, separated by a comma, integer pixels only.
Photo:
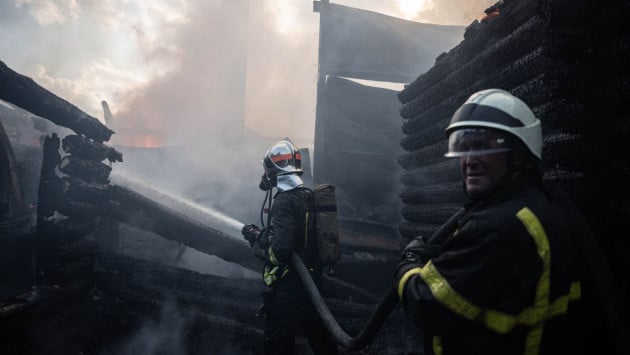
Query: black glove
[
  {"x": 417, "y": 253},
  {"x": 419, "y": 250},
  {"x": 251, "y": 233}
]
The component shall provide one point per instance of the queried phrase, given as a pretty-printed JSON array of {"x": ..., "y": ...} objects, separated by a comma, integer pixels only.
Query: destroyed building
[{"x": 67, "y": 290}]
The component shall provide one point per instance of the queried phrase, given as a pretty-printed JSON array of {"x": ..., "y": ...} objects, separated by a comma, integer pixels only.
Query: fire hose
[{"x": 385, "y": 307}]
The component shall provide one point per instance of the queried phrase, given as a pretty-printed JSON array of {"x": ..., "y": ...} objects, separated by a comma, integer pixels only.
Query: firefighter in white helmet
[
  {"x": 290, "y": 228},
  {"x": 506, "y": 280}
]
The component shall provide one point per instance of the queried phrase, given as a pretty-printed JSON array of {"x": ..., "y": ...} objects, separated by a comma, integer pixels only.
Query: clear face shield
[{"x": 468, "y": 142}]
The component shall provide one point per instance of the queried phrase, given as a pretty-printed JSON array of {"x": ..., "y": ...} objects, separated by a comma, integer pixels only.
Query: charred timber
[
  {"x": 429, "y": 214},
  {"x": 147, "y": 214},
  {"x": 13, "y": 213},
  {"x": 442, "y": 172},
  {"x": 89, "y": 170},
  {"x": 520, "y": 42},
  {"x": 25, "y": 93},
  {"x": 424, "y": 156},
  {"x": 50, "y": 186},
  {"x": 79, "y": 210},
  {"x": 144, "y": 282},
  {"x": 89, "y": 149},
  {"x": 409, "y": 231},
  {"x": 79, "y": 190},
  {"x": 434, "y": 194},
  {"x": 477, "y": 36}
]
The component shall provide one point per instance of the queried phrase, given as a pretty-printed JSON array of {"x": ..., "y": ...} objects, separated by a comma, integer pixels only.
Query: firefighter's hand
[
  {"x": 413, "y": 255},
  {"x": 251, "y": 233},
  {"x": 420, "y": 251}
]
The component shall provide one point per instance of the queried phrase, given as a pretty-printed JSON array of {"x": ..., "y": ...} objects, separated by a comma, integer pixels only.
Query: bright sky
[{"x": 163, "y": 63}]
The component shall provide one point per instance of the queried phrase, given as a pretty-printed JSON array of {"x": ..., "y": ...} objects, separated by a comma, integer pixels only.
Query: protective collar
[{"x": 289, "y": 182}]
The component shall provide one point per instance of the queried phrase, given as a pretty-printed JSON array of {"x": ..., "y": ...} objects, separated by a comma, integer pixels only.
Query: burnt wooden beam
[
  {"x": 13, "y": 213},
  {"x": 477, "y": 36},
  {"x": 27, "y": 94},
  {"x": 89, "y": 170},
  {"x": 89, "y": 149},
  {"x": 145, "y": 213}
]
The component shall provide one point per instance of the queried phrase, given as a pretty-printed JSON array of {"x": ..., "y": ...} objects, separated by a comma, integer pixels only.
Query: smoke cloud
[{"x": 210, "y": 83}]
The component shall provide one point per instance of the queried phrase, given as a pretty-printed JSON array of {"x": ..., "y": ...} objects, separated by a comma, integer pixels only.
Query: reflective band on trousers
[
  {"x": 272, "y": 257},
  {"x": 498, "y": 321},
  {"x": 271, "y": 274}
]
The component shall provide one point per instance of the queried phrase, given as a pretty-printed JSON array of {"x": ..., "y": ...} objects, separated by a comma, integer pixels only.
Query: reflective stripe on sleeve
[
  {"x": 405, "y": 278},
  {"x": 437, "y": 345},
  {"x": 501, "y": 322}
]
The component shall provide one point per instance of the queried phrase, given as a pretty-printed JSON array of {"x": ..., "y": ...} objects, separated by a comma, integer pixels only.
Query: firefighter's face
[{"x": 483, "y": 173}]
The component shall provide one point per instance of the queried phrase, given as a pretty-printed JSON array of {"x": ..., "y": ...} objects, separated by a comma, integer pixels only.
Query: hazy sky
[{"x": 165, "y": 63}]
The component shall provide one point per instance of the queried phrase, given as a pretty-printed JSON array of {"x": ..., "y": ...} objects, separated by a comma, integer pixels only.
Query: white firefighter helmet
[
  {"x": 479, "y": 125},
  {"x": 282, "y": 158}
]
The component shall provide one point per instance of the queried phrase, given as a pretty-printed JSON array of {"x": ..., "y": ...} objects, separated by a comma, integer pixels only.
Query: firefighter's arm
[
  {"x": 445, "y": 293},
  {"x": 284, "y": 228}
]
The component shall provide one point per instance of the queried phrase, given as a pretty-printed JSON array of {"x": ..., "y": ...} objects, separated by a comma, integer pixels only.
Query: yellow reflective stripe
[
  {"x": 575, "y": 293},
  {"x": 437, "y": 346},
  {"x": 272, "y": 257},
  {"x": 405, "y": 278},
  {"x": 536, "y": 230},
  {"x": 270, "y": 275},
  {"x": 500, "y": 322},
  {"x": 533, "y": 340},
  {"x": 530, "y": 316},
  {"x": 446, "y": 295}
]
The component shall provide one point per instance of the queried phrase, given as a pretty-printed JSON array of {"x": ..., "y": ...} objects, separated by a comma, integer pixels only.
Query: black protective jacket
[
  {"x": 505, "y": 282},
  {"x": 293, "y": 231}
]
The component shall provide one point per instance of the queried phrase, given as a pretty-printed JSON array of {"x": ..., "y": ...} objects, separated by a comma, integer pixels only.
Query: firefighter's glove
[
  {"x": 261, "y": 244},
  {"x": 415, "y": 254},
  {"x": 251, "y": 233},
  {"x": 420, "y": 250}
]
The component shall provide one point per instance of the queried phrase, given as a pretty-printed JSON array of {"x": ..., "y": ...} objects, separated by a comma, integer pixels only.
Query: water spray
[{"x": 204, "y": 214}]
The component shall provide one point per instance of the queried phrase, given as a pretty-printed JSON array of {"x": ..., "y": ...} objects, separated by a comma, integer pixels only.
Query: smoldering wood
[
  {"x": 573, "y": 83},
  {"x": 424, "y": 156},
  {"x": 513, "y": 14},
  {"x": 78, "y": 210},
  {"x": 434, "y": 194},
  {"x": 50, "y": 186},
  {"x": 409, "y": 231},
  {"x": 25, "y": 93},
  {"x": 237, "y": 299},
  {"x": 430, "y": 135},
  {"x": 523, "y": 40},
  {"x": 442, "y": 172},
  {"x": 429, "y": 213},
  {"x": 13, "y": 213},
  {"x": 89, "y": 170},
  {"x": 144, "y": 213},
  {"x": 89, "y": 149},
  {"x": 79, "y": 190}
]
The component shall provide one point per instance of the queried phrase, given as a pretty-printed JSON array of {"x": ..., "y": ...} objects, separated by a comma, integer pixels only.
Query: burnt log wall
[{"x": 565, "y": 59}]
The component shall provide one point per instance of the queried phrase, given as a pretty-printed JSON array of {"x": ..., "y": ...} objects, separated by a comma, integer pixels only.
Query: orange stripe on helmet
[{"x": 277, "y": 158}]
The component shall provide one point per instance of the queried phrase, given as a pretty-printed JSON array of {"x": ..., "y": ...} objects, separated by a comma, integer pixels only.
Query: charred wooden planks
[
  {"x": 25, "y": 93},
  {"x": 568, "y": 61}
]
